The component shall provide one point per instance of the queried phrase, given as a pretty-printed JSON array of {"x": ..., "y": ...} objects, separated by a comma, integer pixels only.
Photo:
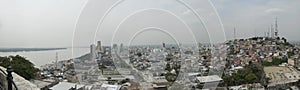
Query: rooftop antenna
[
  {"x": 272, "y": 31},
  {"x": 276, "y": 28},
  {"x": 234, "y": 33}
]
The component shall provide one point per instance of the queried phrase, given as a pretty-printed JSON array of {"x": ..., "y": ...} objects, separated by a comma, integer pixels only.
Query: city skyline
[{"x": 150, "y": 44}]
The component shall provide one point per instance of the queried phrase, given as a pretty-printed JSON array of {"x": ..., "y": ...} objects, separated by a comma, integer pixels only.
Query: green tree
[
  {"x": 275, "y": 62},
  {"x": 290, "y": 54},
  {"x": 124, "y": 81},
  {"x": 170, "y": 77},
  {"x": 20, "y": 65},
  {"x": 250, "y": 74},
  {"x": 168, "y": 67},
  {"x": 251, "y": 78},
  {"x": 101, "y": 67}
]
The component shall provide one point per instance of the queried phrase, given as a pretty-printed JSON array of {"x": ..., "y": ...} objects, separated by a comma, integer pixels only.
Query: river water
[{"x": 39, "y": 58}]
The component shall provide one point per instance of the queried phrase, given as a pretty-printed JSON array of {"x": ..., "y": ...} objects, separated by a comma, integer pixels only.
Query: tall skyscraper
[
  {"x": 99, "y": 47},
  {"x": 121, "y": 47},
  {"x": 93, "y": 52}
]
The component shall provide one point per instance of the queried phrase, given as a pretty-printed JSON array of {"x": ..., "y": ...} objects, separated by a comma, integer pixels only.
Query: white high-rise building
[{"x": 93, "y": 52}]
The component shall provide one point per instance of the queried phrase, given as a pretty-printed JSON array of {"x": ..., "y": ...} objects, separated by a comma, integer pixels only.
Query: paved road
[{"x": 137, "y": 75}]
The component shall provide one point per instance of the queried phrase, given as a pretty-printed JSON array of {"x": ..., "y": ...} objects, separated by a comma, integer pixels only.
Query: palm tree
[{"x": 101, "y": 67}]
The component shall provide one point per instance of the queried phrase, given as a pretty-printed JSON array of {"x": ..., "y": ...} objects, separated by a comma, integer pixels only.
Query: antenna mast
[
  {"x": 234, "y": 33},
  {"x": 276, "y": 28}
]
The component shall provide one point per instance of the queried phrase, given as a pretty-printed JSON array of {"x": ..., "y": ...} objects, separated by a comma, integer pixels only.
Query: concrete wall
[{"x": 3, "y": 81}]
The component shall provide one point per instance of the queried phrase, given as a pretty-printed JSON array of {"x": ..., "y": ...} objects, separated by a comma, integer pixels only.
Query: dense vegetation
[
  {"x": 20, "y": 65},
  {"x": 171, "y": 77},
  {"x": 275, "y": 62},
  {"x": 252, "y": 73}
]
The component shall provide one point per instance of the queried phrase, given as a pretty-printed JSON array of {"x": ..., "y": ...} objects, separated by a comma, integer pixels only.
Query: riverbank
[{"x": 39, "y": 58}]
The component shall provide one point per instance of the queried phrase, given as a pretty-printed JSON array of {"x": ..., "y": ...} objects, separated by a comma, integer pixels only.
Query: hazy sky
[{"x": 51, "y": 23}]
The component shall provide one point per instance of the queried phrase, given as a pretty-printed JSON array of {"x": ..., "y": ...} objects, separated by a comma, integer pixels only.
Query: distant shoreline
[{"x": 28, "y": 49}]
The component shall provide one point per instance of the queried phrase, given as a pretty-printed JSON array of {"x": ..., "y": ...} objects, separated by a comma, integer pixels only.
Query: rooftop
[
  {"x": 281, "y": 74},
  {"x": 212, "y": 78},
  {"x": 65, "y": 86}
]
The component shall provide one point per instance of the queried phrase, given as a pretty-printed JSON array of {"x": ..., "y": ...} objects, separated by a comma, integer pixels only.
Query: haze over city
[
  {"x": 51, "y": 23},
  {"x": 149, "y": 45}
]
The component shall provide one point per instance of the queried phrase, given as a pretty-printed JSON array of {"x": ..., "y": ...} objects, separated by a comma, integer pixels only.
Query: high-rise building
[
  {"x": 99, "y": 47},
  {"x": 164, "y": 45},
  {"x": 121, "y": 47},
  {"x": 93, "y": 52},
  {"x": 115, "y": 46}
]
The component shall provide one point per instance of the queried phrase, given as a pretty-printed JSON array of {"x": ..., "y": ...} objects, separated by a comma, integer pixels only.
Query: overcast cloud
[{"x": 50, "y": 23}]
